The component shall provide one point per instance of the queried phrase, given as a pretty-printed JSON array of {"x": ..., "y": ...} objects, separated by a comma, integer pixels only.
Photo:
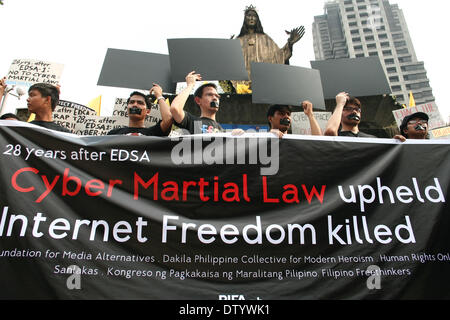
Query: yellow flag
[
  {"x": 412, "y": 102},
  {"x": 243, "y": 89},
  {"x": 167, "y": 101},
  {"x": 404, "y": 106},
  {"x": 32, "y": 117},
  {"x": 96, "y": 104}
]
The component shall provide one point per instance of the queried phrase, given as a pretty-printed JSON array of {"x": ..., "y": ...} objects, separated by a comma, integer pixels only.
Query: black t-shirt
[
  {"x": 152, "y": 131},
  {"x": 355, "y": 135},
  {"x": 50, "y": 125},
  {"x": 196, "y": 125}
]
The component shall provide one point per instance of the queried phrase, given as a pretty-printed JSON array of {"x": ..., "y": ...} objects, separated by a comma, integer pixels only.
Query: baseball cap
[{"x": 406, "y": 119}]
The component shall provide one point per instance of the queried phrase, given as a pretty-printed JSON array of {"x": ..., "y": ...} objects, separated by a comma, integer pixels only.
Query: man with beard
[
  {"x": 138, "y": 106},
  {"x": 414, "y": 126},
  {"x": 346, "y": 118},
  {"x": 279, "y": 117}
]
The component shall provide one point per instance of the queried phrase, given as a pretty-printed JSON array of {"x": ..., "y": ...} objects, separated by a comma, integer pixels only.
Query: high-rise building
[{"x": 364, "y": 28}]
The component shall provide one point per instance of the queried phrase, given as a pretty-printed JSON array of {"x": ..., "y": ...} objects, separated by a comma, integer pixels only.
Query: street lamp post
[{"x": 19, "y": 90}]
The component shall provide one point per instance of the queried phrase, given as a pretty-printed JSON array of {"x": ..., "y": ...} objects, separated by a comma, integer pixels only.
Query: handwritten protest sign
[
  {"x": 430, "y": 109},
  {"x": 441, "y": 133},
  {"x": 66, "y": 111},
  {"x": 26, "y": 72},
  {"x": 120, "y": 110},
  {"x": 82, "y": 120},
  {"x": 89, "y": 125},
  {"x": 301, "y": 125}
]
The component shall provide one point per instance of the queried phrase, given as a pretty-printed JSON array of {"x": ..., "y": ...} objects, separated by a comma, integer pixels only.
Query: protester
[
  {"x": 207, "y": 98},
  {"x": 346, "y": 118},
  {"x": 42, "y": 101},
  {"x": 9, "y": 116},
  {"x": 279, "y": 117},
  {"x": 414, "y": 126},
  {"x": 139, "y": 106}
]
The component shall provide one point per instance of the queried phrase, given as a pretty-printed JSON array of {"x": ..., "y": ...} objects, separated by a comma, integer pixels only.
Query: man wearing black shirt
[
  {"x": 414, "y": 126},
  {"x": 207, "y": 99},
  {"x": 346, "y": 118},
  {"x": 138, "y": 106},
  {"x": 279, "y": 117},
  {"x": 42, "y": 101}
]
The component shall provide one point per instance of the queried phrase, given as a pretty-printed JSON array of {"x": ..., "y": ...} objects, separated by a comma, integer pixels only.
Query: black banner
[{"x": 222, "y": 218}]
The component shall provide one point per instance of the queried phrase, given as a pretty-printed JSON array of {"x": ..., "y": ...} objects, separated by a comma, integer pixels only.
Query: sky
[{"x": 78, "y": 34}]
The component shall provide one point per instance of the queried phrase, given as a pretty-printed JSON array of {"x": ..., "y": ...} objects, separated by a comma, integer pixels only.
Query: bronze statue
[{"x": 259, "y": 47}]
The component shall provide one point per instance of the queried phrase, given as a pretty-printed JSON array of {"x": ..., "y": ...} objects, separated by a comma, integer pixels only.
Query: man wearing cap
[
  {"x": 207, "y": 98},
  {"x": 414, "y": 126},
  {"x": 346, "y": 118},
  {"x": 138, "y": 106},
  {"x": 279, "y": 117}
]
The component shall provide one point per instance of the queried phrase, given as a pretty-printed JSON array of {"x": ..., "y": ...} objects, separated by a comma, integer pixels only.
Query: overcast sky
[{"x": 78, "y": 34}]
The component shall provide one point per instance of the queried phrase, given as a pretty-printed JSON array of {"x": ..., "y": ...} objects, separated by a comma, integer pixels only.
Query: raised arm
[
  {"x": 335, "y": 121},
  {"x": 177, "y": 107},
  {"x": 166, "y": 116},
  {"x": 308, "y": 109}
]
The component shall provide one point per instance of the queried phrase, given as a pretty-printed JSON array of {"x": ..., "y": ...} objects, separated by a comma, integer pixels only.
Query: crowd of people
[{"x": 43, "y": 99}]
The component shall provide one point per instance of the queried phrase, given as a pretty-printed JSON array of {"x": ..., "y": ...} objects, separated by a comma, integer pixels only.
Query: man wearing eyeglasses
[
  {"x": 346, "y": 118},
  {"x": 138, "y": 107},
  {"x": 414, "y": 126}
]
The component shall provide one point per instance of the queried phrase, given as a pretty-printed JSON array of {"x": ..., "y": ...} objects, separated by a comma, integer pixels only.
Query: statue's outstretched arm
[{"x": 294, "y": 36}]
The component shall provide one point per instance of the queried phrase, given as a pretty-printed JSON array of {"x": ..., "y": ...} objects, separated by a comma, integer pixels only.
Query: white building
[{"x": 363, "y": 28}]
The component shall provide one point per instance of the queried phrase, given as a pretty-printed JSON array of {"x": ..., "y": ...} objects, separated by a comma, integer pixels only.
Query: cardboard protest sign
[
  {"x": 120, "y": 110},
  {"x": 300, "y": 122},
  {"x": 135, "y": 70},
  {"x": 287, "y": 85},
  {"x": 441, "y": 133},
  {"x": 361, "y": 77},
  {"x": 97, "y": 126},
  {"x": 26, "y": 72},
  {"x": 66, "y": 111},
  {"x": 82, "y": 120},
  {"x": 430, "y": 109},
  {"x": 214, "y": 59}
]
